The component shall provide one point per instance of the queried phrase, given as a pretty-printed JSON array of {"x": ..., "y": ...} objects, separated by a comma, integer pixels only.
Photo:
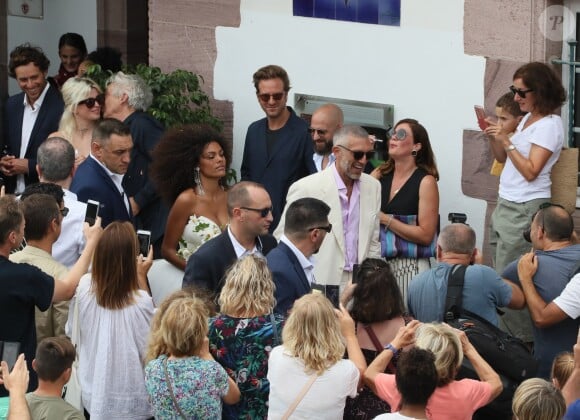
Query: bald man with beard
[{"x": 324, "y": 122}]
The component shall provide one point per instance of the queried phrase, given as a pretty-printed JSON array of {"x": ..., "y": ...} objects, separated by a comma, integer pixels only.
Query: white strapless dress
[
  {"x": 197, "y": 231},
  {"x": 164, "y": 277}
]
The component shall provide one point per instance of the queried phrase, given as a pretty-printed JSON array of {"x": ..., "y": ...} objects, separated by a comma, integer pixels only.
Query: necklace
[{"x": 400, "y": 183}]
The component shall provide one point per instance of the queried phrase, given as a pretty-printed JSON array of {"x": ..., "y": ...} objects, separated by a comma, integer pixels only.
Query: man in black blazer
[
  {"x": 100, "y": 176},
  {"x": 250, "y": 212},
  {"x": 127, "y": 98},
  {"x": 30, "y": 117},
  {"x": 305, "y": 227}
]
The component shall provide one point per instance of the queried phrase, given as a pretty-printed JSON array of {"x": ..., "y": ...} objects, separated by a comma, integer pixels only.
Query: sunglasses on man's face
[
  {"x": 91, "y": 102},
  {"x": 542, "y": 206},
  {"x": 317, "y": 131},
  {"x": 265, "y": 97},
  {"x": 263, "y": 212},
  {"x": 520, "y": 92},
  {"x": 359, "y": 154}
]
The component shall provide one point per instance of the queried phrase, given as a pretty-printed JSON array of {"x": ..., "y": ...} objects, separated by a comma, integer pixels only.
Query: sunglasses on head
[
  {"x": 263, "y": 212},
  {"x": 265, "y": 97},
  {"x": 520, "y": 92},
  {"x": 327, "y": 229},
  {"x": 317, "y": 131},
  {"x": 398, "y": 135},
  {"x": 91, "y": 102},
  {"x": 358, "y": 154}
]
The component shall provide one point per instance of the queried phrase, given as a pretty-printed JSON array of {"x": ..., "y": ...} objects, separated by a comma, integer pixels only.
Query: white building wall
[{"x": 419, "y": 67}]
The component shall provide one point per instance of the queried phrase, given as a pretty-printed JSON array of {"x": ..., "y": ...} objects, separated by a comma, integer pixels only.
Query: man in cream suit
[{"x": 354, "y": 199}]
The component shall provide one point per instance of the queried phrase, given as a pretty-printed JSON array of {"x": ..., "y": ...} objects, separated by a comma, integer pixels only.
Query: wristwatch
[
  {"x": 392, "y": 348},
  {"x": 510, "y": 148}
]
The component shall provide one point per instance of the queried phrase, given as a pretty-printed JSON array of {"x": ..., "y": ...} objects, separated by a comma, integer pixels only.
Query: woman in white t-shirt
[
  {"x": 525, "y": 184},
  {"x": 311, "y": 362},
  {"x": 529, "y": 156}
]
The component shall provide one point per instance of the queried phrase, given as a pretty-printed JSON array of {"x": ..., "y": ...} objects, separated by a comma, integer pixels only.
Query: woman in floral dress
[
  {"x": 242, "y": 336},
  {"x": 181, "y": 376},
  {"x": 189, "y": 170}
]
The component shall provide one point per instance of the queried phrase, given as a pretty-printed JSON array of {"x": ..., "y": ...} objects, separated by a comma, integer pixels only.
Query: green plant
[{"x": 177, "y": 96}]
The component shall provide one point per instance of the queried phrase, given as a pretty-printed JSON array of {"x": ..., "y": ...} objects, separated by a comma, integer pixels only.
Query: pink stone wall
[{"x": 182, "y": 35}]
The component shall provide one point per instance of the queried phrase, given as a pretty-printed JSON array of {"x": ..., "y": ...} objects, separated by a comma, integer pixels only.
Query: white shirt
[
  {"x": 306, "y": 263},
  {"x": 111, "y": 349},
  {"x": 117, "y": 180},
  {"x": 240, "y": 250},
  {"x": 547, "y": 133},
  {"x": 71, "y": 242},
  {"x": 318, "y": 161},
  {"x": 569, "y": 299},
  {"x": 29, "y": 117},
  {"x": 326, "y": 397}
]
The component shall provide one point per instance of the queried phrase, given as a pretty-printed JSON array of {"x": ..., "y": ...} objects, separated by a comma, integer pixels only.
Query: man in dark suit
[
  {"x": 30, "y": 117},
  {"x": 278, "y": 149},
  {"x": 250, "y": 212},
  {"x": 100, "y": 176},
  {"x": 305, "y": 227},
  {"x": 127, "y": 98}
]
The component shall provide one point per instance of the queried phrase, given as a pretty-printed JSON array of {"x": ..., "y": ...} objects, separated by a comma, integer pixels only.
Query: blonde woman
[
  {"x": 243, "y": 334},
  {"x": 181, "y": 376},
  {"x": 83, "y": 101},
  {"x": 452, "y": 400},
  {"x": 314, "y": 343},
  {"x": 538, "y": 399},
  {"x": 562, "y": 368}
]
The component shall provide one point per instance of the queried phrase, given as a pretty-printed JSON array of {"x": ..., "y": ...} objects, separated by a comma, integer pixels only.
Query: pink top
[
  {"x": 350, "y": 210},
  {"x": 455, "y": 401}
]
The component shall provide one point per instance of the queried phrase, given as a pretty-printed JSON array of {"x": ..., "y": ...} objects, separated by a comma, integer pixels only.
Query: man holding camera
[{"x": 483, "y": 290}]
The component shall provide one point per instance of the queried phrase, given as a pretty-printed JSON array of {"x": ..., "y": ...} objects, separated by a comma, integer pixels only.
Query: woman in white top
[
  {"x": 528, "y": 155},
  {"x": 525, "y": 180},
  {"x": 83, "y": 101},
  {"x": 115, "y": 312},
  {"x": 313, "y": 349}
]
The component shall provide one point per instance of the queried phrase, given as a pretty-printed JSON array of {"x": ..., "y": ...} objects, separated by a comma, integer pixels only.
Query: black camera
[{"x": 457, "y": 218}]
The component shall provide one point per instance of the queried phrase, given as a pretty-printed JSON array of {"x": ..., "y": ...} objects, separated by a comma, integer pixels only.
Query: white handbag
[{"x": 72, "y": 389}]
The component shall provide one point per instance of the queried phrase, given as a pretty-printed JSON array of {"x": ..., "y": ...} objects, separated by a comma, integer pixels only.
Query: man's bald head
[{"x": 324, "y": 122}]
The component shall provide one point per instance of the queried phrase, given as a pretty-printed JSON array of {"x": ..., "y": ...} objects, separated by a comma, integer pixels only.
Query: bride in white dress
[{"x": 189, "y": 168}]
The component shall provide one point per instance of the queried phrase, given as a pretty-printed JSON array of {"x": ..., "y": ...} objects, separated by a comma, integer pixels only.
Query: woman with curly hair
[
  {"x": 181, "y": 376},
  {"x": 83, "y": 102},
  {"x": 377, "y": 310},
  {"x": 243, "y": 334},
  {"x": 189, "y": 170},
  {"x": 308, "y": 376}
]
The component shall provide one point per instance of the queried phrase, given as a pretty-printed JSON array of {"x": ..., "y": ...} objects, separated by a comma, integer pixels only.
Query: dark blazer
[
  {"x": 289, "y": 277},
  {"x": 146, "y": 132},
  {"x": 290, "y": 159},
  {"x": 206, "y": 267},
  {"x": 46, "y": 123},
  {"x": 91, "y": 182}
]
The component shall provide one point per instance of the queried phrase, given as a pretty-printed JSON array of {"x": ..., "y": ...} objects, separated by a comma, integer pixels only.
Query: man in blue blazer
[
  {"x": 100, "y": 176},
  {"x": 127, "y": 98},
  {"x": 278, "y": 149},
  {"x": 250, "y": 211},
  {"x": 30, "y": 117},
  {"x": 305, "y": 227}
]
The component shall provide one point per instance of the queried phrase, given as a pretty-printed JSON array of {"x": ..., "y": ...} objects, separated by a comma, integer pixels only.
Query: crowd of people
[{"x": 316, "y": 287}]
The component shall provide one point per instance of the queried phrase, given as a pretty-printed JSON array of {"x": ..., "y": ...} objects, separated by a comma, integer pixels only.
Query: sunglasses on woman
[
  {"x": 398, "y": 135},
  {"x": 91, "y": 102},
  {"x": 521, "y": 92}
]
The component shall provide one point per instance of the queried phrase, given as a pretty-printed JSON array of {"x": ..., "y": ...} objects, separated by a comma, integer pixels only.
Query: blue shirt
[
  {"x": 554, "y": 272},
  {"x": 483, "y": 292}
]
